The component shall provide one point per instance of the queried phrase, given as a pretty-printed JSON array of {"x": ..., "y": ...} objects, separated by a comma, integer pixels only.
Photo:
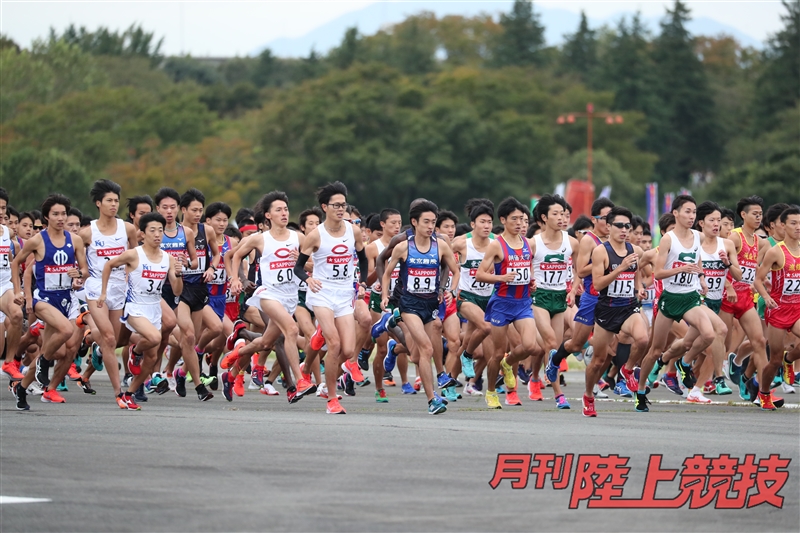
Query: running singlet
[
  {"x": 218, "y": 285},
  {"x": 194, "y": 276},
  {"x": 147, "y": 279},
  {"x": 714, "y": 270},
  {"x": 748, "y": 262},
  {"x": 682, "y": 282},
  {"x": 469, "y": 268},
  {"x": 102, "y": 248},
  {"x": 51, "y": 271},
  {"x": 551, "y": 267},
  {"x": 395, "y": 273},
  {"x": 277, "y": 265},
  {"x": 516, "y": 261},
  {"x": 587, "y": 281},
  {"x": 6, "y": 257},
  {"x": 622, "y": 290},
  {"x": 786, "y": 281},
  {"x": 420, "y": 270},
  {"x": 333, "y": 260},
  {"x": 175, "y": 246}
]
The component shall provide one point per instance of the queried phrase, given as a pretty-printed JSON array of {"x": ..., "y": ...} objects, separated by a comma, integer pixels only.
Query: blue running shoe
[
  {"x": 407, "y": 388},
  {"x": 379, "y": 327},
  {"x": 734, "y": 370},
  {"x": 451, "y": 394},
  {"x": 621, "y": 389},
  {"x": 523, "y": 374},
  {"x": 653, "y": 376},
  {"x": 671, "y": 382},
  {"x": 97, "y": 357},
  {"x": 394, "y": 319},
  {"x": 180, "y": 384},
  {"x": 62, "y": 387},
  {"x": 551, "y": 370},
  {"x": 227, "y": 387},
  {"x": 391, "y": 358},
  {"x": 436, "y": 407},
  {"x": 561, "y": 402},
  {"x": 444, "y": 380},
  {"x": 363, "y": 359},
  {"x": 467, "y": 366},
  {"x": 437, "y": 397}
]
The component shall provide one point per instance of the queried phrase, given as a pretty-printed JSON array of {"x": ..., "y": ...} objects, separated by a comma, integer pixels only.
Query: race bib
[
  {"x": 623, "y": 286},
  {"x": 422, "y": 280},
  {"x": 56, "y": 277}
]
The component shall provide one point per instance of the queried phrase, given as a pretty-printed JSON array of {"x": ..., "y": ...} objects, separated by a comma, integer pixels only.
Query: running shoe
[
  {"x": 508, "y": 375},
  {"x": 256, "y": 379},
  {"x": 126, "y": 401},
  {"x": 418, "y": 383},
  {"x": 588, "y": 354},
  {"x": 787, "y": 389},
  {"x": 363, "y": 359},
  {"x": 451, "y": 394},
  {"x": 603, "y": 384},
  {"x": 238, "y": 385},
  {"x": 97, "y": 357},
  {"x": 720, "y": 387},
  {"x": 788, "y": 372},
  {"x": 561, "y": 402},
  {"x": 388, "y": 379},
  {"x": 35, "y": 329},
  {"x": 126, "y": 379},
  {"x": 652, "y": 377},
  {"x": 227, "y": 386},
  {"x": 21, "y": 395},
  {"x": 363, "y": 383},
  {"x": 641, "y": 403},
  {"x": 317, "y": 340},
  {"x": 685, "y": 373},
  {"x": 696, "y": 396},
  {"x": 353, "y": 369},
  {"x": 470, "y": 390},
  {"x": 523, "y": 374},
  {"x": 391, "y": 358},
  {"x": 139, "y": 394},
  {"x": 621, "y": 389},
  {"x": 230, "y": 342},
  {"x": 203, "y": 393},
  {"x": 493, "y": 400},
  {"x": 734, "y": 370},
  {"x": 551, "y": 370},
  {"x": 347, "y": 384},
  {"x": 535, "y": 390},
  {"x": 34, "y": 389},
  {"x": 752, "y": 389},
  {"x": 380, "y": 396},
  {"x": 180, "y": 384},
  {"x": 598, "y": 393},
  {"x": 440, "y": 398},
  {"x": 269, "y": 390},
  {"x": 291, "y": 395},
  {"x": 743, "y": 394},
  {"x": 134, "y": 362},
  {"x": 10, "y": 369},
  {"x": 671, "y": 382},
  {"x": 467, "y": 366},
  {"x": 209, "y": 381},
  {"x": 436, "y": 407},
  {"x": 630, "y": 379},
  {"x": 62, "y": 387},
  {"x": 765, "y": 399},
  {"x": 379, "y": 327},
  {"x": 588, "y": 407},
  {"x": 512, "y": 398},
  {"x": 444, "y": 381},
  {"x": 305, "y": 387},
  {"x": 73, "y": 373},
  {"x": 334, "y": 407},
  {"x": 51, "y": 396},
  {"x": 42, "y": 371},
  {"x": 86, "y": 386},
  {"x": 709, "y": 388}
]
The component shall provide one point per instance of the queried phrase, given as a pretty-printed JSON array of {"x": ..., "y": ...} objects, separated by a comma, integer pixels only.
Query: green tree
[
  {"x": 522, "y": 40},
  {"x": 415, "y": 47},
  {"x": 187, "y": 68},
  {"x": 579, "y": 53},
  {"x": 265, "y": 70},
  {"x": 133, "y": 42},
  {"x": 347, "y": 52}
]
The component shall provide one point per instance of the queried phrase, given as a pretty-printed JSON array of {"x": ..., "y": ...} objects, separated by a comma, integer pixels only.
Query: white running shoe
[
  {"x": 598, "y": 393},
  {"x": 34, "y": 389},
  {"x": 696, "y": 396},
  {"x": 470, "y": 390},
  {"x": 269, "y": 390},
  {"x": 786, "y": 388},
  {"x": 171, "y": 381}
]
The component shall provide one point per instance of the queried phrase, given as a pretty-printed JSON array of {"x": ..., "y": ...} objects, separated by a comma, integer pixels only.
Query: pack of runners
[{"x": 189, "y": 295}]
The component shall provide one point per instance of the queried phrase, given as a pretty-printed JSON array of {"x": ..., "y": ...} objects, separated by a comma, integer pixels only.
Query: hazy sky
[{"x": 230, "y": 28}]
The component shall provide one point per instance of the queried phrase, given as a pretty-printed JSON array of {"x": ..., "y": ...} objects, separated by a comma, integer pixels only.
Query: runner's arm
[
  {"x": 174, "y": 279},
  {"x": 773, "y": 258},
  {"x": 386, "y": 253}
]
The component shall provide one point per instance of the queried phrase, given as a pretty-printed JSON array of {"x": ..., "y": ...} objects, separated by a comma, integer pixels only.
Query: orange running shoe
[
  {"x": 317, "y": 340},
  {"x": 563, "y": 367},
  {"x": 352, "y": 368},
  {"x": 535, "y": 391},
  {"x": 238, "y": 385},
  {"x": 81, "y": 320},
  {"x": 11, "y": 371},
  {"x": 304, "y": 387},
  {"x": 389, "y": 382},
  {"x": 73, "y": 373},
  {"x": 335, "y": 408},
  {"x": 417, "y": 383},
  {"x": 512, "y": 398},
  {"x": 52, "y": 396},
  {"x": 231, "y": 357},
  {"x": 125, "y": 401},
  {"x": 766, "y": 402}
]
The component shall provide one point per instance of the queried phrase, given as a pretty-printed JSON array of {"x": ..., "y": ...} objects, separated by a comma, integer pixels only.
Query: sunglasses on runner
[{"x": 622, "y": 225}]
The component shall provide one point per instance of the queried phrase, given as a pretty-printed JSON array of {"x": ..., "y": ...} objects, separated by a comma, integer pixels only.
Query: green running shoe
[{"x": 721, "y": 387}]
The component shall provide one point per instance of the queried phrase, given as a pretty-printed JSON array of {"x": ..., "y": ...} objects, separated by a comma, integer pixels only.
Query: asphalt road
[{"x": 259, "y": 464}]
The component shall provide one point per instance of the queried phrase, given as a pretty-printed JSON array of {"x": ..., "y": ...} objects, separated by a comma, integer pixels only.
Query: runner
[{"x": 11, "y": 301}]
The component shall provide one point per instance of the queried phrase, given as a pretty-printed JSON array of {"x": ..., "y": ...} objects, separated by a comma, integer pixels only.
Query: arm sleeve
[
  {"x": 363, "y": 265},
  {"x": 299, "y": 267}
]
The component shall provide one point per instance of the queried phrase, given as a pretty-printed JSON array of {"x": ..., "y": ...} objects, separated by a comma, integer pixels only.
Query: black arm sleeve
[
  {"x": 363, "y": 265},
  {"x": 299, "y": 267}
]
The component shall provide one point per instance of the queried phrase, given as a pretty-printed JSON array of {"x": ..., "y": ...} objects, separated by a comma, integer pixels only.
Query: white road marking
[{"x": 17, "y": 499}]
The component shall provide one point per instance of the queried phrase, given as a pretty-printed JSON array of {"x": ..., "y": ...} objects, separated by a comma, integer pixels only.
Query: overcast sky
[{"x": 237, "y": 28}]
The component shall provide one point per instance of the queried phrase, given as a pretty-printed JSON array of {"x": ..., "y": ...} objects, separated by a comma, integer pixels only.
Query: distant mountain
[{"x": 557, "y": 22}]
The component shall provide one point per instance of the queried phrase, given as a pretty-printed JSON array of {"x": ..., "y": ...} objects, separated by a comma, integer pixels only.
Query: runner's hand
[
  {"x": 771, "y": 304},
  {"x": 629, "y": 260},
  {"x": 236, "y": 286},
  {"x": 19, "y": 299},
  {"x": 314, "y": 284},
  {"x": 101, "y": 301},
  {"x": 384, "y": 302}
]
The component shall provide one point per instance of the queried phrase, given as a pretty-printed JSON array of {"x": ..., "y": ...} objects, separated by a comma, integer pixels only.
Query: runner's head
[
  {"x": 218, "y": 214},
  {"x": 684, "y": 207},
  {"x": 105, "y": 196},
  {"x": 275, "y": 207},
  {"x": 390, "y": 222},
  {"x": 481, "y": 219},
  {"x": 647, "y": 240},
  {"x": 138, "y": 206},
  {"x": 192, "y": 204},
  {"x": 55, "y": 210},
  {"x": 790, "y": 218},
  {"x": 512, "y": 213},
  {"x": 472, "y": 203},
  {"x": 709, "y": 218},
  {"x": 751, "y": 210},
  {"x": 25, "y": 225},
  {"x": 423, "y": 217},
  {"x": 549, "y": 212},
  {"x": 666, "y": 223},
  {"x": 600, "y": 209},
  {"x": 74, "y": 217},
  {"x": 13, "y": 220},
  {"x": 619, "y": 223},
  {"x": 152, "y": 226},
  {"x": 581, "y": 226},
  {"x": 728, "y": 222},
  {"x": 167, "y": 202},
  {"x": 38, "y": 224},
  {"x": 772, "y": 221},
  {"x": 566, "y": 217},
  {"x": 446, "y": 223},
  {"x": 637, "y": 230},
  {"x": 332, "y": 199},
  {"x": 310, "y": 219},
  {"x": 3, "y": 201}
]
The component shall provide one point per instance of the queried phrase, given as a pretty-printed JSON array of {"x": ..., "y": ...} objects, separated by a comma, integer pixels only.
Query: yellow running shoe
[
  {"x": 492, "y": 400},
  {"x": 508, "y": 375}
]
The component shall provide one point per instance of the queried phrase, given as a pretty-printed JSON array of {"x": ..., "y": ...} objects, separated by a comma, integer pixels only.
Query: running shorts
[
  {"x": 612, "y": 318},
  {"x": 503, "y": 311},
  {"x": 585, "y": 313},
  {"x": 427, "y": 309},
  {"x": 674, "y": 305},
  {"x": 115, "y": 293},
  {"x": 554, "y": 302},
  {"x": 744, "y": 302}
]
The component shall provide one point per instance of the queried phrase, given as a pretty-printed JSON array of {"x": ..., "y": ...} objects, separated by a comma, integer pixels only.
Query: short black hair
[
  {"x": 374, "y": 224},
  {"x": 135, "y": 201},
  {"x": 619, "y": 211},
  {"x": 10, "y": 211},
  {"x": 389, "y": 211},
  {"x": 462, "y": 229},
  {"x": 681, "y": 200},
  {"x": 582, "y": 223},
  {"x": 243, "y": 214},
  {"x": 154, "y": 216},
  {"x": 729, "y": 214},
  {"x": 600, "y": 204},
  {"x": 793, "y": 210},
  {"x": 425, "y": 206},
  {"x": 664, "y": 221},
  {"x": 259, "y": 218},
  {"x": 745, "y": 203},
  {"x": 703, "y": 210},
  {"x": 637, "y": 222},
  {"x": 86, "y": 221},
  {"x": 316, "y": 211},
  {"x": 192, "y": 195},
  {"x": 324, "y": 194},
  {"x": 37, "y": 215},
  {"x": 472, "y": 203},
  {"x": 544, "y": 204},
  {"x": 293, "y": 225},
  {"x": 167, "y": 192},
  {"x": 774, "y": 213},
  {"x": 263, "y": 206},
  {"x": 498, "y": 229},
  {"x": 509, "y": 205},
  {"x": 74, "y": 212},
  {"x": 4, "y": 195},
  {"x": 103, "y": 187},
  {"x": 231, "y": 231},
  {"x": 444, "y": 214},
  {"x": 481, "y": 209},
  {"x": 27, "y": 214},
  {"x": 216, "y": 208},
  {"x": 49, "y": 202}
]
